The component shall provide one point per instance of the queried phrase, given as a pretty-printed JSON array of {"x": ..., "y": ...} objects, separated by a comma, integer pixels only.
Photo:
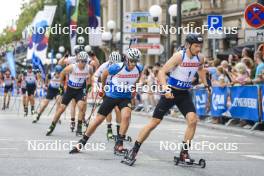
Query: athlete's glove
[
  {"x": 61, "y": 90},
  {"x": 133, "y": 93},
  {"x": 167, "y": 92},
  {"x": 101, "y": 93}
]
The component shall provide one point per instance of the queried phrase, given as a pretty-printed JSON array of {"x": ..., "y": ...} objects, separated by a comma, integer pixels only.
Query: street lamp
[
  {"x": 111, "y": 25},
  {"x": 87, "y": 48},
  {"x": 49, "y": 55},
  {"x": 80, "y": 40},
  {"x": 61, "y": 49},
  {"x": 58, "y": 56},
  {"x": 155, "y": 11},
  {"x": 118, "y": 36},
  {"x": 173, "y": 12},
  {"x": 107, "y": 37}
]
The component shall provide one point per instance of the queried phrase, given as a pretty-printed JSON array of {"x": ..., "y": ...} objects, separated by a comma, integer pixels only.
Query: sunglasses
[{"x": 133, "y": 61}]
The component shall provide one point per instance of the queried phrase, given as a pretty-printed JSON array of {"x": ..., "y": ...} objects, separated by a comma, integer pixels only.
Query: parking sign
[{"x": 215, "y": 21}]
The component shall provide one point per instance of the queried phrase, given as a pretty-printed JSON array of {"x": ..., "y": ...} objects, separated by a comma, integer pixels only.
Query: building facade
[{"x": 194, "y": 13}]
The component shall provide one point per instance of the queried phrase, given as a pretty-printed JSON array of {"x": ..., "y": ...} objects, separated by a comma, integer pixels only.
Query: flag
[
  {"x": 94, "y": 14},
  {"x": 39, "y": 36},
  {"x": 70, "y": 4},
  {"x": 73, "y": 26},
  {"x": 11, "y": 62}
]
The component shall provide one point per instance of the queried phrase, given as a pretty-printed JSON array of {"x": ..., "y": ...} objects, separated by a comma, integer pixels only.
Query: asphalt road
[{"x": 25, "y": 150}]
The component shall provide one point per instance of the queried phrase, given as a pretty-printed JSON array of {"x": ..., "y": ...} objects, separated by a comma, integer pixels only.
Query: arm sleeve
[
  {"x": 114, "y": 69},
  {"x": 140, "y": 67},
  {"x": 257, "y": 72}
]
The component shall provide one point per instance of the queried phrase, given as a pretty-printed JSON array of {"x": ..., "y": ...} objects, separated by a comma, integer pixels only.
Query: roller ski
[
  {"x": 119, "y": 150},
  {"x": 185, "y": 160},
  {"x": 128, "y": 138},
  {"x": 72, "y": 126},
  {"x": 50, "y": 129},
  {"x": 37, "y": 119},
  {"x": 109, "y": 134},
  {"x": 129, "y": 158},
  {"x": 79, "y": 146}
]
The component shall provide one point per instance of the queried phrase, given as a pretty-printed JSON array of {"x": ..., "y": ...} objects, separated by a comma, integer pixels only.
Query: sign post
[{"x": 215, "y": 26}]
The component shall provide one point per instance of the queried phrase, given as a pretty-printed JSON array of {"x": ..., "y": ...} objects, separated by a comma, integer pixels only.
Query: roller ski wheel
[
  {"x": 189, "y": 162},
  {"x": 129, "y": 158},
  {"x": 79, "y": 147},
  {"x": 202, "y": 163},
  {"x": 50, "y": 129},
  {"x": 72, "y": 126},
  {"x": 74, "y": 150},
  {"x": 119, "y": 150}
]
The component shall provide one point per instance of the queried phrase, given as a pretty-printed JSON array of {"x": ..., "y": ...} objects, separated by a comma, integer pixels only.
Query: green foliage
[
  {"x": 28, "y": 12},
  {"x": 55, "y": 40}
]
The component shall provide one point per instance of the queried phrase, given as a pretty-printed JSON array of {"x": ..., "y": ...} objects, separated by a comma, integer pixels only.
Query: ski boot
[
  {"x": 37, "y": 119},
  {"x": 51, "y": 129},
  {"x": 130, "y": 157},
  {"x": 119, "y": 150},
  {"x": 32, "y": 111},
  {"x": 109, "y": 134},
  {"x": 25, "y": 112},
  {"x": 185, "y": 160},
  {"x": 72, "y": 125},
  {"x": 79, "y": 146},
  {"x": 3, "y": 108}
]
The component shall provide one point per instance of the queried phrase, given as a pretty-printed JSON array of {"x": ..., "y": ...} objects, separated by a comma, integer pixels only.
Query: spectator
[
  {"x": 258, "y": 58},
  {"x": 222, "y": 78},
  {"x": 241, "y": 76},
  {"x": 224, "y": 64}
]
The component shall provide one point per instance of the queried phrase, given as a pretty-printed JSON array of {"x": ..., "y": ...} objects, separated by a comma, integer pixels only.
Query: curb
[{"x": 237, "y": 130}]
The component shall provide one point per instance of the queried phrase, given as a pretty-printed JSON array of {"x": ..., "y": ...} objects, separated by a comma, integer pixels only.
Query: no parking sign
[{"x": 254, "y": 15}]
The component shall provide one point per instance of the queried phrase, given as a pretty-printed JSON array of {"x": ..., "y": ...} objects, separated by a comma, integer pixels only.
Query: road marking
[
  {"x": 8, "y": 149},
  {"x": 256, "y": 153},
  {"x": 255, "y": 157},
  {"x": 207, "y": 136}
]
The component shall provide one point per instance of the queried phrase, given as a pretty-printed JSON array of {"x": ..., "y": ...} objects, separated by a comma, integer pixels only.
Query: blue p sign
[{"x": 215, "y": 21}]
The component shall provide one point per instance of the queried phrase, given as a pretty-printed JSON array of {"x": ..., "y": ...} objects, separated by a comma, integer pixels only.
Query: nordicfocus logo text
[{"x": 245, "y": 102}]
